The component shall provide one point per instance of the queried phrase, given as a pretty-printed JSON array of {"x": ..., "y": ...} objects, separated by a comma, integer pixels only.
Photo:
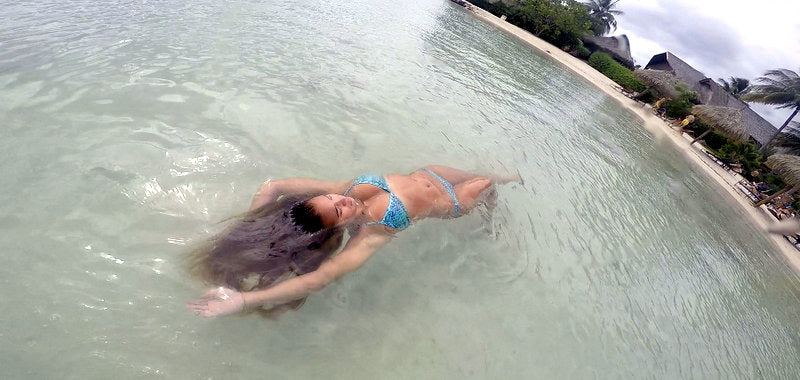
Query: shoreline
[{"x": 659, "y": 128}]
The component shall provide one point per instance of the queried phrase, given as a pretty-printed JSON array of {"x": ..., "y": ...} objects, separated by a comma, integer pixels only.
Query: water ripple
[{"x": 132, "y": 127}]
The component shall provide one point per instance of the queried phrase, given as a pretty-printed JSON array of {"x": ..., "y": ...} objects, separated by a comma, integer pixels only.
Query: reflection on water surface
[{"x": 132, "y": 128}]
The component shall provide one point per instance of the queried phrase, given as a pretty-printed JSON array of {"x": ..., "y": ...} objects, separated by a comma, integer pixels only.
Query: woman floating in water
[{"x": 282, "y": 247}]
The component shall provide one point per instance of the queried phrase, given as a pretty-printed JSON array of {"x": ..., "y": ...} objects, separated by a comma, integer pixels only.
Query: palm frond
[
  {"x": 779, "y": 87},
  {"x": 788, "y": 141},
  {"x": 782, "y": 74},
  {"x": 779, "y": 99},
  {"x": 768, "y": 84}
]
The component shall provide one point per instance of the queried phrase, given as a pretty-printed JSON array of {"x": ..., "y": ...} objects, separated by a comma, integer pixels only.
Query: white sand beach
[{"x": 660, "y": 129}]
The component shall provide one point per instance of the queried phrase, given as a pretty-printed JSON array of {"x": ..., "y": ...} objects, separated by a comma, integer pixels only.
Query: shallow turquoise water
[{"x": 130, "y": 129}]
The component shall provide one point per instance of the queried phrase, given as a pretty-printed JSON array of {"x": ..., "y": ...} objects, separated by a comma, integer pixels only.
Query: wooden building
[{"x": 711, "y": 93}]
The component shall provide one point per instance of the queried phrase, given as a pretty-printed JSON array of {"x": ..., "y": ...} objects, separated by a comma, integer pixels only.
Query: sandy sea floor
[{"x": 658, "y": 127}]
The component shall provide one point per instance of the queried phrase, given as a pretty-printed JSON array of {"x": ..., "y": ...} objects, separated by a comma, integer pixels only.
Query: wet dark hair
[
  {"x": 263, "y": 247},
  {"x": 305, "y": 217}
]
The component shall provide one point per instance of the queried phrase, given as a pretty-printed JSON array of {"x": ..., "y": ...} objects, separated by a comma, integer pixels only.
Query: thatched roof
[
  {"x": 787, "y": 166},
  {"x": 711, "y": 93},
  {"x": 726, "y": 120},
  {"x": 617, "y": 46},
  {"x": 662, "y": 81}
]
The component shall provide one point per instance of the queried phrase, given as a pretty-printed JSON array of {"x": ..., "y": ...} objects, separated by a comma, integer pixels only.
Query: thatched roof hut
[
  {"x": 725, "y": 120},
  {"x": 618, "y": 47},
  {"x": 662, "y": 81},
  {"x": 788, "y": 167},
  {"x": 711, "y": 93}
]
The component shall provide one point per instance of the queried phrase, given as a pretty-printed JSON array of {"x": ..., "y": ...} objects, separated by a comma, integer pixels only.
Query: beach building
[
  {"x": 711, "y": 93},
  {"x": 617, "y": 46}
]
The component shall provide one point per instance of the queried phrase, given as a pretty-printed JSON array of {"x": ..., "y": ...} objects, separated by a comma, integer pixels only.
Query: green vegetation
[
  {"x": 623, "y": 76},
  {"x": 563, "y": 23},
  {"x": 774, "y": 181},
  {"x": 560, "y": 22},
  {"x": 780, "y": 88},
  {"x": 736, "y": 87},
  {"x": 583, "y": 52},
  {"x": 602, "y": 11},
  {"x": 714, "y": 140},
  {"x": 745, "y": 154},
  {"x": 682, "y": 106}
]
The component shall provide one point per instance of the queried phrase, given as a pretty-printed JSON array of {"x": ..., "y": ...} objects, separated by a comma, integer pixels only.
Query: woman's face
[{"x": 334, "y": 209}]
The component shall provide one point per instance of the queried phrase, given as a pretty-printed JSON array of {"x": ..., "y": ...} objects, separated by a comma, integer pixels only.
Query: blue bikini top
[{"x": 396, "y": 215}]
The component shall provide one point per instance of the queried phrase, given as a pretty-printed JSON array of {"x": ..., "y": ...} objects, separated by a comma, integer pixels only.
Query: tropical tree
[
  {"x": 603, "y": 11},
  {"x": 788, "y": 141},
  {"x": 560, "y": 22},
  {"x": 780, "y": 88},
  {"x": 736, "y": 86},
  {"x": 745, "y": 154}
]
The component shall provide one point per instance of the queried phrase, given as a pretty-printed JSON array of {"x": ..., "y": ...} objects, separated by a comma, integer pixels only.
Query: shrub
[
  {"x": 773, "y": 181},
  {"x": 600, "y": 61},
  {"x": 743, "y": 153},
  {"x": 715, "y": 141},
  {"x": 698, "y": 127},
  {"x": 686, "y": 94},
  {"x": 560, "y": 22},
  {"x": 623, "y": 76},
  {"x": 583, "y": 52},
  {"x": 678, "y": 108}
]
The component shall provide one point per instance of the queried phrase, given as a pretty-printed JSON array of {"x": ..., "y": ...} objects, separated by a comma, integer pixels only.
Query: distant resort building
[
  {"x": 711, "y": 93},
  {"x": 617, "y": 47}
]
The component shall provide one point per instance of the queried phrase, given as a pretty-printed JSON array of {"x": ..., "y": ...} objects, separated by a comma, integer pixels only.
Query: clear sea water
[{"x": 129, "y": 129}]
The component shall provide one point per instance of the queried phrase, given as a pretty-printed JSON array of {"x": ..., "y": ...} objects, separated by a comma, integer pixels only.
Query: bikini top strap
[
  {"x": 370, "y": 179},
  {"x": 350, "y": 187}
]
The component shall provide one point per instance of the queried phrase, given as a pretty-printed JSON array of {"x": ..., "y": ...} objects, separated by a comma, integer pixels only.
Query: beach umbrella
[
  {"x": 662, "y": 81},
  {"x": 725, "y": 120},
  {"x": 788, "y": 167}
]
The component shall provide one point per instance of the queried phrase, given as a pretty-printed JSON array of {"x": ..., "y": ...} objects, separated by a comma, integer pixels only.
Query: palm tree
[
  {"x": 736, "y": 86},
  {"x": 780, "y": 88},
  {"x": 788, "y": 141},
  {"x": 601, "y": 10}
]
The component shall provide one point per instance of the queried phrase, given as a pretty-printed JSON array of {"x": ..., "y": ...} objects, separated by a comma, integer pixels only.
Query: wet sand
[{"x": 660, "y": 129}]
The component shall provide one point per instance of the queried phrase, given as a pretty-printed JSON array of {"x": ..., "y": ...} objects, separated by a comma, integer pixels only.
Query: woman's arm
[
  {"x": 221, "y": 301},
  {"x": 271, "y": 190}
]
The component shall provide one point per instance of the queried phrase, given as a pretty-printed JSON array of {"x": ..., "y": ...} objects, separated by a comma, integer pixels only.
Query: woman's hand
[{"x": 216, "y": 302}]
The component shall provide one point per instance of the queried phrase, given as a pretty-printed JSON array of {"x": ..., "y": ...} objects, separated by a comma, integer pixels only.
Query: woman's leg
[
  {"x": 473, "y": 189},
  {"x": 452, "y": 175},
  {"x": 473, "y": 192},
  {"x": 457, "y": 176}
]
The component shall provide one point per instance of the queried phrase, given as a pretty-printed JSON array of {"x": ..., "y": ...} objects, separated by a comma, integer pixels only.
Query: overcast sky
[{"x": 721, "y": 38}]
